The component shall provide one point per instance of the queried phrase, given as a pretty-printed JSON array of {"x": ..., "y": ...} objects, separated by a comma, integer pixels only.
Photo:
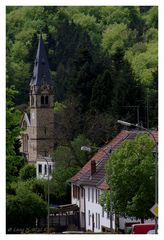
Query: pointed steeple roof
[{"x": 41, "y": 72}]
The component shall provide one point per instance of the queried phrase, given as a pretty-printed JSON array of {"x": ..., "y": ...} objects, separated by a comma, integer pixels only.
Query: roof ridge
[{"x": 98, "y": 155}]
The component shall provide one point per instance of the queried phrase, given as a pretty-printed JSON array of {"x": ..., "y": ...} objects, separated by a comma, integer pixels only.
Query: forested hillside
[
  {"x": 104, "y": 65},
  {"x": 103, "y": 62}
]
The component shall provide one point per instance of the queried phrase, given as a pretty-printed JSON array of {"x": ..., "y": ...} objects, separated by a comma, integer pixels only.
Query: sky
[{"x": 3, "y": 4}]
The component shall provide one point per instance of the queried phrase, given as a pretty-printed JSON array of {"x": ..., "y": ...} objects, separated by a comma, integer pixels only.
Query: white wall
[
  {"x": 42, "y": 164},
  {"x": 92, "y": 207},
  {"x": 95, "y": 208}
]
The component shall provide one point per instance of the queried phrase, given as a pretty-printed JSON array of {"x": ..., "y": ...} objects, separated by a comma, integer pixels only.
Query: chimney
[{"x": 93, "y": 167}]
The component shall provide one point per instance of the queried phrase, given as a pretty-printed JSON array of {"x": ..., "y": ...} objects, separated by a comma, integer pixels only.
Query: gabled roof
[
  {"x": 41, "y": 72},
  {"x": 25, "y": 118},
  {"x": 83, "y": 177}
]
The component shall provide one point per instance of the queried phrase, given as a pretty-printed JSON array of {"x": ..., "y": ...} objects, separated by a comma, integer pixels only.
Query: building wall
[
  {"x": 93, "y": 208},
  {"x": 41, "y": 132},
  {"x": 42, "y": 168},
  {"x": 89, "y": 207}
]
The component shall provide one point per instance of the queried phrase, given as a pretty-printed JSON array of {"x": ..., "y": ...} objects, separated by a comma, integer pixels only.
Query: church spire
[{"x": 41, "y": 72}]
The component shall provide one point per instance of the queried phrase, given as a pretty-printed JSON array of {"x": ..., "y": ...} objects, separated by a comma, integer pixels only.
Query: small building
[
  {"x": 44, "y": 168},
  {"x": 88, "y": 185}
]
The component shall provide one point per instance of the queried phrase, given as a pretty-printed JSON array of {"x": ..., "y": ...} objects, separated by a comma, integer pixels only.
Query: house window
[
  {"x": 45, "y": 169},
  {"x": 92, "y": 194},
  {"x": 97, "y": 195},
  {"x": 82, "y": 192},
  {"x": 40, "y": 168},
  {"x": 98, "y": 221},
  {"x": 74, "y": 191},
  {"x": 88, "y": 194},
  {"x": 78, "y": 193},
  {"x": 89, "y": 217},
  {"x": 102, "y": 212},
  {"x": 108, "y": 214}
]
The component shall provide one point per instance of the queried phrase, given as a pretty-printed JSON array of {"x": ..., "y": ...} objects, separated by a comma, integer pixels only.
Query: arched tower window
[
  {"x": 46, "y": 100},
  {"x": 24, "y": 124},
  {"x": 25, "y": 143},
  {"x": 42, "y": 100}
]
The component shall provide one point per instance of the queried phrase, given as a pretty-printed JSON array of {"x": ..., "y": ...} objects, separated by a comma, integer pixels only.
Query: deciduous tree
[{"x": 131, "y": 170}]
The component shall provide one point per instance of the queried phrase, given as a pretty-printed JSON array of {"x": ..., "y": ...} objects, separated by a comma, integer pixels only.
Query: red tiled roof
[
  {"x": 83, "y": 176},
  {"x": 103, "y": 185},
  {"x": 100, "y": 154}
]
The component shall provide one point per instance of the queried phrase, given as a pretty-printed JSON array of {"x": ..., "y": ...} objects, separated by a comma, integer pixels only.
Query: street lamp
[
  {"x": 48, "y": 199},
  {"x": 156, "y": 161},
  {"x": 89, "y": 149}
]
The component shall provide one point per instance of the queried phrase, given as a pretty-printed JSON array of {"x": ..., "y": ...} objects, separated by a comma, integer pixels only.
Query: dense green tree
[
  {"x": 100, "y": 127},
  {"x": 23, "y": 208},
  {"x": 60, "y": 186},
  {"x": 25, "y": 203},
  {"x": 71, "y": 154},
  {"x": 131, "y": 171},
  {"x": 102, "y": 92},
  {"x": 116, "y": 37},
  {"x": 82, "y": 43},
  {"x": 68, "y": 121},
  {"x": 68, "y": 160},
  {"x": 13, "y": 159},
  {"x": 27, "y": 172}
]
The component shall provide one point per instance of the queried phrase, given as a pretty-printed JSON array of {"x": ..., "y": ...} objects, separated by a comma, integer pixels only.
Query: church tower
[{"x": 41, "y": 129}]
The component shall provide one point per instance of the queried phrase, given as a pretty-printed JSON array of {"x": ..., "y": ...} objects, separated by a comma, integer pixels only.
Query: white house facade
[
  {"x": 44, "y": 168},
  {"x": 88, "y": 185},
  {"x": 92, "y": 215},
  {"x": 97, "y": 220}
]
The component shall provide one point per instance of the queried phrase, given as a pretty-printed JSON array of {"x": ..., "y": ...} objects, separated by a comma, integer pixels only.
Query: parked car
[
  {"x": 151, "y": 231},
  {"x": 128, "y": 230},
  {"x": 142, "y": 228}
]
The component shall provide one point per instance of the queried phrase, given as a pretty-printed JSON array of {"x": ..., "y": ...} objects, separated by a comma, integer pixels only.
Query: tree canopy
[
  {"x": 131, "y": 172},
  {"x": 14, "y": 161},
  {"x": 83, "y": 45}
]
